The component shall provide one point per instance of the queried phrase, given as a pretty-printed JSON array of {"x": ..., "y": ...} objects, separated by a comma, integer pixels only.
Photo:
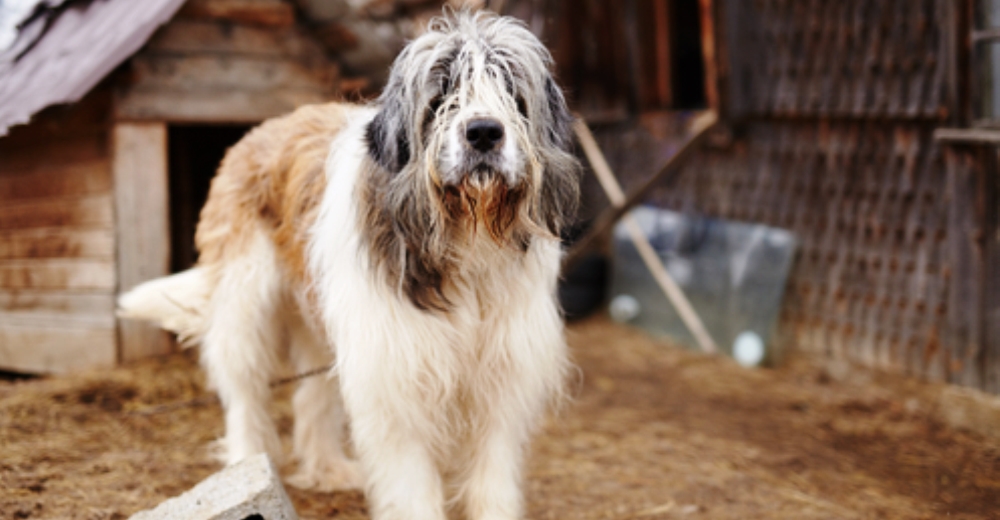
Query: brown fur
[{"x": 273, "y": 177}]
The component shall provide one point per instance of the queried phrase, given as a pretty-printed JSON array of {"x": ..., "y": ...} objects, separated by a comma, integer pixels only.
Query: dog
[{"x": 415, "y": 242}]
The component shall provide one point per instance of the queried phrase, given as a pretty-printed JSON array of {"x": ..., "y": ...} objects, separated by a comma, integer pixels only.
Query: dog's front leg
[
  {"x": 403, "y": 482},
  {"x": 526, "y": 373},
  {"x": 392, "y": 428},
  {"x": 492, "y": 490}
]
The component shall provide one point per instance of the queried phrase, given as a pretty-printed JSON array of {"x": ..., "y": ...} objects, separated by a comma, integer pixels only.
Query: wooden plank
[
  {"x": 142, "y": 214},
  {"x": 708, "y": 52},
  {"x": 42, "y": 320},
  {"x": 968, "y": 135},
  {"x": 201, "y": 36},
  {"x": 964, "y": 339},
  {"x": 56, "y": 347},
  {"x": 664, "y": 63},
  {"x": 58, "y": 125},
  {"x": 268, "y": 13},
  {"x": 47, "y": 154},
  {"x": 991, "y": 287},
  {"x": 84, "y": 178},
  {"x": 58, "y": 243},
  {"x": 215, "y": 106},
  {"x": 57, "y": 302},
  {"x": 93, "y": 211},
  {"x": 228, "y": 72},
  {"x": 63, "y": 274}
]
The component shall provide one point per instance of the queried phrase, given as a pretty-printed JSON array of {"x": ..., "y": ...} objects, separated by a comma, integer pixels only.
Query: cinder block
[{"x": 250, "y": 490}]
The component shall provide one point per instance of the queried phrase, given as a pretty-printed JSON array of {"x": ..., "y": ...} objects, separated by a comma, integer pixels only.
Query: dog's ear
[
  {"x": 387, "y": 136},
  {"x": 561, "y": 130},
  {"x": 560, "y": 181}
]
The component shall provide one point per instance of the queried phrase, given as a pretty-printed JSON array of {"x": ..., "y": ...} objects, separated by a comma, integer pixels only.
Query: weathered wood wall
[
  {"x": 615, "y": 58},
  {"x": 850, "y": 58},
  {"x": 57, "y": 241},
  {"x": 227, "y": 62},
  {"x": 834, "y": 106}
]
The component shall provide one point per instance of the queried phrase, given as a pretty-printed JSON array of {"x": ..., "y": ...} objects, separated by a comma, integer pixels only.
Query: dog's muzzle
[{"x": 482, "y": 156}]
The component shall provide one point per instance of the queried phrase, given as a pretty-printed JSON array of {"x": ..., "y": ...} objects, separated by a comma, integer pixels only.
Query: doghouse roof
[{"x": 65, "y": 50}]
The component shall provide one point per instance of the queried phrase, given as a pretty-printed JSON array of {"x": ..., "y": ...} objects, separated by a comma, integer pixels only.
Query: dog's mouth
[
  {"x": 482, "y": 174},
  {"x": 484, "y": 200}
]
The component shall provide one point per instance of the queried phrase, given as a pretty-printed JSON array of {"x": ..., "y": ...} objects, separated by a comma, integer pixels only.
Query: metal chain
[{"x": 212, "y": 398}]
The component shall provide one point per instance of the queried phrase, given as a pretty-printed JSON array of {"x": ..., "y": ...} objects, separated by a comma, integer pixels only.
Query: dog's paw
[
  {"x": 340, "y": 476},
  {"x": 222, "y": 451}
]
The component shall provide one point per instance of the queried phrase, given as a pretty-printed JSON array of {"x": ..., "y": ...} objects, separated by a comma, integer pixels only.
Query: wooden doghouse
[
  {"x": 88, "y": 190},
  {"x": 103, "y": 190}
]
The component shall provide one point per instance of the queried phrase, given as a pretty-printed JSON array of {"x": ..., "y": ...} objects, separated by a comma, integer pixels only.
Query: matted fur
[{"x": 427, "y": 266}]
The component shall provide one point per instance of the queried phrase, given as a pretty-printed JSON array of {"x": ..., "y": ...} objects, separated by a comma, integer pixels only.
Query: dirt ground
[{"x": 654, "y": 432}]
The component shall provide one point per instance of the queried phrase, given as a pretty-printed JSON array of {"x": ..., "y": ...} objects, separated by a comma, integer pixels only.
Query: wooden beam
[
  {"x": 666, "y": 282},
  {"x": 214, "y": 106},
  {"x": 664, "y": 59},
  {"x": 708, "y": 53},
  {"x": 983, "y": 136},
  {"x": 700, "y": 129},
  {"x": 268, "y": 13},
  {"x": 229, "y": 73},
  {"x": 142, "y": 216}
]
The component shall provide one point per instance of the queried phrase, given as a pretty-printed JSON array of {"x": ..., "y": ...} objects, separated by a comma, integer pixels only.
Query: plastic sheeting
[{"x": 733, "y": 273}]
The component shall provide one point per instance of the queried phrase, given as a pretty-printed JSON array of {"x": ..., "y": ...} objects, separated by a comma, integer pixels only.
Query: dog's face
[
  {"x": 472, "y": 135},
  {"x": 471, "y": 107}
]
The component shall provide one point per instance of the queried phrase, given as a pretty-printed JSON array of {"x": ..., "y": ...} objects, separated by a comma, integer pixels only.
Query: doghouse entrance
[{"x": 195, "y": 152}]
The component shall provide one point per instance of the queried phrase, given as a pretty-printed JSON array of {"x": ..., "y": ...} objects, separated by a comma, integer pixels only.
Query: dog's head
[{"x": 472, "y": 138}]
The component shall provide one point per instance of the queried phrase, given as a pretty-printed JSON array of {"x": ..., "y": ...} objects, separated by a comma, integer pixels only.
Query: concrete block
[{"x": 249, "y": 490}]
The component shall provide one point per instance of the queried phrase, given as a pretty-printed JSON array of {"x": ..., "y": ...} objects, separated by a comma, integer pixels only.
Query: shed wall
[
  {"x": 57, "y": 241},
  {"x": 835, "y": 105}
]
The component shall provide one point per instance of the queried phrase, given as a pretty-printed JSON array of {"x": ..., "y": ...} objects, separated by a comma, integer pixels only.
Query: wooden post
[
  {"x": 700, "y": 128},
  {"x": 142, "y": 220},
  {"x": 664, "y": 62},
  {"x": 707, "y": 12},
  {"x": 963, "y": 340},
  {"x": 670, "y": 288}
]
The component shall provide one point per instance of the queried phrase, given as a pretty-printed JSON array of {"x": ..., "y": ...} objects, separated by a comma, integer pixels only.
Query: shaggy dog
[{"x": 416, "y": 243}]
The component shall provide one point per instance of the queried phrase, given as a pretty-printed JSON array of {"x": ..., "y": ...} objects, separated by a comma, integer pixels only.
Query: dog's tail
[{"x": 177, "y": 303}]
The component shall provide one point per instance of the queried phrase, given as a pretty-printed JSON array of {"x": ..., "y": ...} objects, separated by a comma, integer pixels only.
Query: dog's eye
[
  {"x": 431, "y": 113},
  {"x": 435, "y": 104},
  {"x": 522, "y": 106}
]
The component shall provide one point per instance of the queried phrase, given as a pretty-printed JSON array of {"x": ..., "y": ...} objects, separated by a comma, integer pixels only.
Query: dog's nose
[{"x": 484, "y": 134}]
